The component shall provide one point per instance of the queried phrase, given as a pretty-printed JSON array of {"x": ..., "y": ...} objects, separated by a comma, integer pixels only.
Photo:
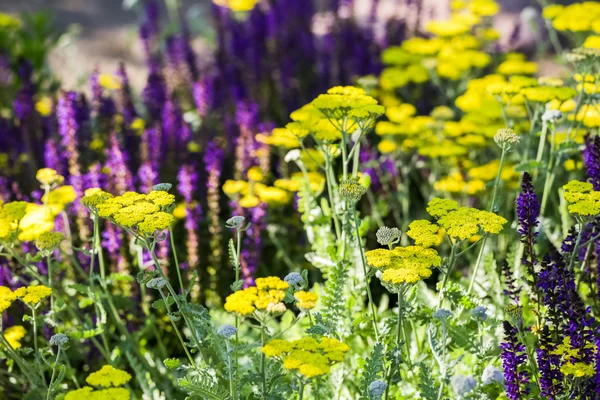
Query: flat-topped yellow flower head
[
  {"x": 311, "y": 358},
  {"x": 33, "y": 295},
  {"x": 108, "y": 376}
]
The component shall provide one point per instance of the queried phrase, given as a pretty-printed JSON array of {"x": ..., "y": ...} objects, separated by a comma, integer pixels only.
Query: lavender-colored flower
[
  {"x": 591, "y": 158},
  {"x": 23, "y": 103},
  {"x": 528, "y": 211},
  {"x": 154, "y": 93},
  {"x": 120, "y": 178},
  {"x": 147, "y": 177},
  {"x": 213, "y": 161},
  {"x": 203, "y": 95},
  {"x": 126, "y": 105},
  {"x": 68, "y": 126},
  {"x": 51, "y": 157},
  {"x": 528, "y": 208},
  {"x": 188, "y": 184},
  {"x": 513, "y": 359}
]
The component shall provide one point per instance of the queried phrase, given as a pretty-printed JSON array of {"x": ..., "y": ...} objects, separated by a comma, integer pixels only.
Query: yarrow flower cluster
[
  {"x": 310, "y": 357},
  {"x": 403, "y": 264},
  {"x": 582, "y": 199},
  {"x": 463, "y": 223},
  {"x": 32, "y": 295},
  {"x": 268, "y": 294},
  {"x": 352, "y": 190},
  {"x": 108, "y": 376},
  {"x": 147, "y": 213},
  {"x": 506, "y": 138}
]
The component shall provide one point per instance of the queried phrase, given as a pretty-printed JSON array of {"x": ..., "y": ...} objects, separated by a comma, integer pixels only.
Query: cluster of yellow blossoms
[
  {"x": 27, "y": 221},
  {"x": 252, "y": 192},
  {"x": 579, "y": 17},
  {"x": 30, "y": 295},
  {"x": 462, "y": 223},
  {"x": 404, "y": 264},
  {"x": 237, "y": 5},
  {"x": 310, "y": 357},
  {"x": 268, "y": 294},
  {"x": 478, "y": 177},
  {"x": 107, "y": 377},
  {"x": 453, "y": 51},
  {"x": 14, "y": 335},
  {"x": 147, "y": 213},
  {"x": 568, "y": 354},
  {"x": 582, "y": 199}
]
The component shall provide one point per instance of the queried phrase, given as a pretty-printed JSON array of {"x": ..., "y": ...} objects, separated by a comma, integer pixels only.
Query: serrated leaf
[
  {"x": 529, "y": 166},
  {"x": 160, "y": 303},
  {"x": 237, "y": 285},
  {"x": 162, "y": 187}
]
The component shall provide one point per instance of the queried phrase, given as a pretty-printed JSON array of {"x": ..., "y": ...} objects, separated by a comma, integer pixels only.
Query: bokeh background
[{"x": 100, "y": 33}]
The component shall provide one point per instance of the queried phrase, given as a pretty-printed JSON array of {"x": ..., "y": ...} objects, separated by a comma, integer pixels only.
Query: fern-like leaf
[
  {"x": 373, "y": 370},
  {"x": 334, "y": 301}
]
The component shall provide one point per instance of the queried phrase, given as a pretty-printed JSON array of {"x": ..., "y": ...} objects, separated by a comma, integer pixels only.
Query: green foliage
[
  {"x": 333, "y": 300},
  {"x": 373, "y": 370},
  {"x": 202, "y": 387}
]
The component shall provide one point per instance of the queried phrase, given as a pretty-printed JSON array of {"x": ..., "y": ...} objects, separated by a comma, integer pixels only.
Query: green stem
[
  {"x": 329, "y": 179},
  {"x": 50, "y": 281},
  {"x": 301, "y": 390},
  {"x": 364, "y": 265},
  {"x": 53, "y": 374},
  {"x": 230, "y": 370},
  {"x": 451, "y": 262},
  {"x": 576, "y": 248},
  {"x": 176, "y": 329},
  {"x": 263, "y": 361},
  {"x": 180, "y": 307},
  {"x": 176, "y": 260},
  {"x": 477, "y": 263},
  {"x": 497, "y": 182}
]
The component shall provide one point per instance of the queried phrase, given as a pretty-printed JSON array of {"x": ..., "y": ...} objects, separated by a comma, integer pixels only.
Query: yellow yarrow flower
[
  {"x": 306, "y": 300},
  {"x": 108, "y": 376},
  {"x": 6, "y": 298},
  {"x": 44, "y": 106},
  {"x": 424, "y": 233},
  {"x": 310, "y": 357},
  {"x": 582, "y": 199},
  {"x": 49, "y": 177},
  {"x": 109, "y": 81},
  {"x": 87, "y": 393},
  {"x": 33, "y": 295},
  {"x": 237, "y": 5},
  {"x": 14, "y": 335},
  {"x": 268, "y": 295}
]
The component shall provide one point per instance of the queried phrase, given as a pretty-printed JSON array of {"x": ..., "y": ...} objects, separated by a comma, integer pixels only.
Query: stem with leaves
[
  {"x": 365, "y": 271},
  {"x": 48, "y": 394}
]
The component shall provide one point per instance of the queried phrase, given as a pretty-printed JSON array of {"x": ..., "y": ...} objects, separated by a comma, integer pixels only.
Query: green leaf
[
  {"x": 529, "y": 166},
  {"x": 160, "y": 304},
  {"x": 373, "y": 370},
  {"x": 162, "y": 187},
  {"x": 237, "y": 285}
]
